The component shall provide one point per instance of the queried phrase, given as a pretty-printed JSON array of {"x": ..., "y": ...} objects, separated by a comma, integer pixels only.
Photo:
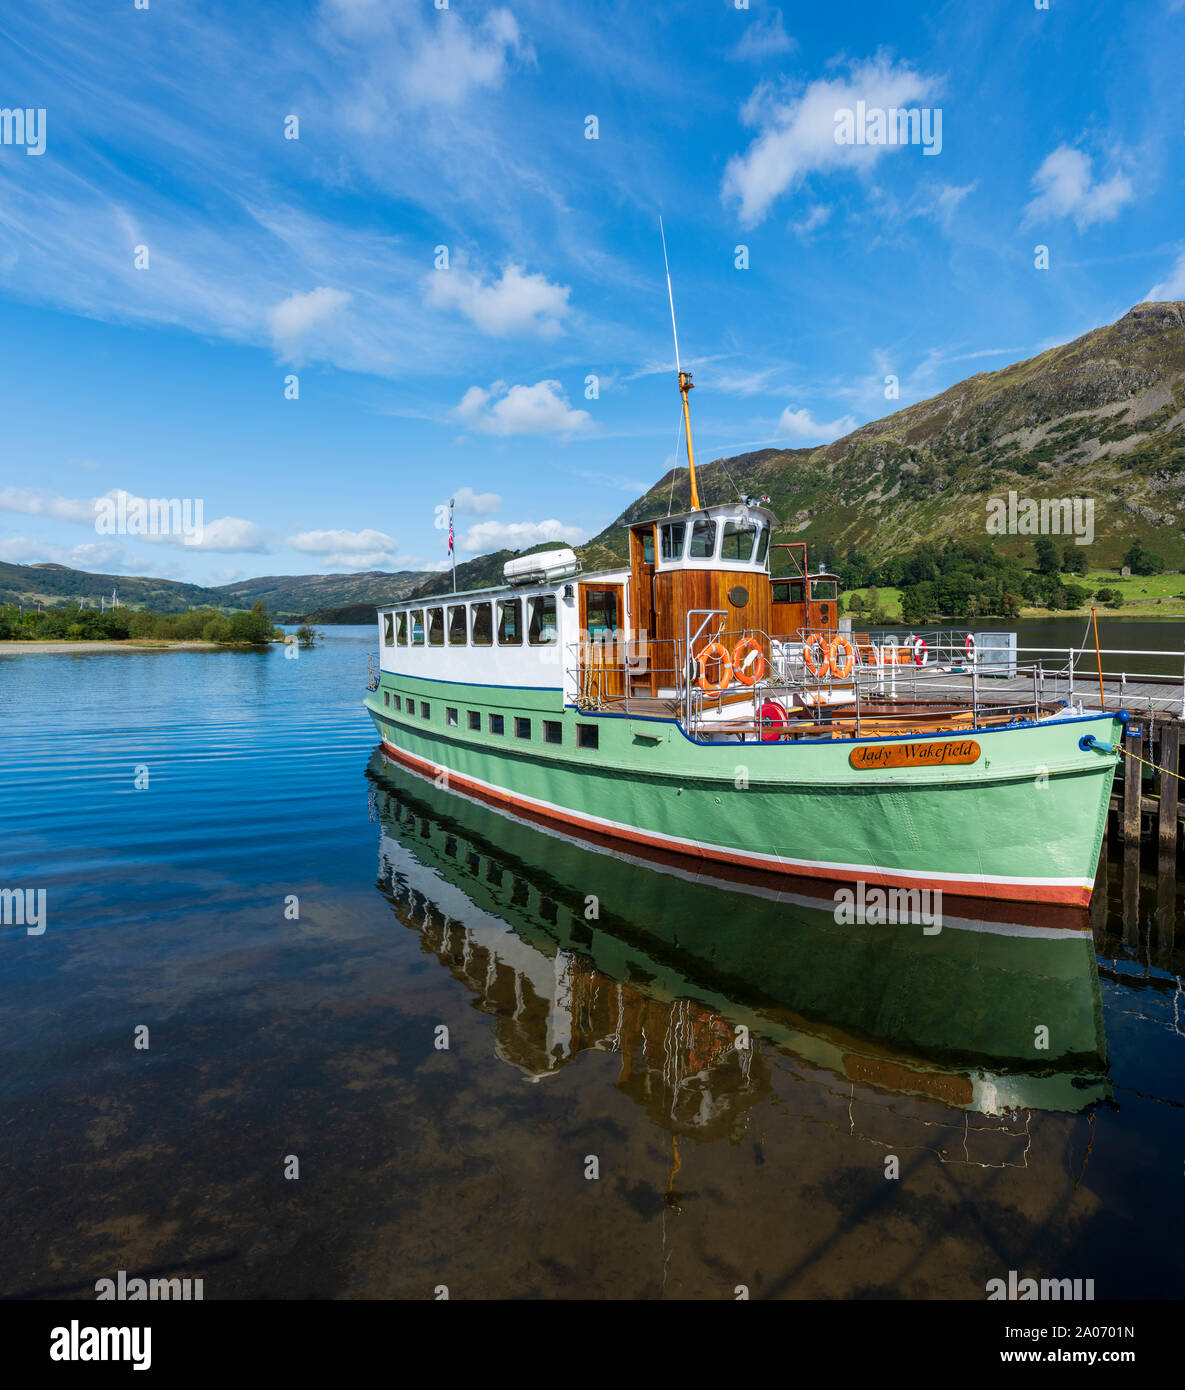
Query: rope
[{"x": 1127, "y": 753}]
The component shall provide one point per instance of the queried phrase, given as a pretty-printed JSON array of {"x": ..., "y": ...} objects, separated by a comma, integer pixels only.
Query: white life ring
[
  {"x": 921, "y": 652},
  {"x": 969, "y": 649}
]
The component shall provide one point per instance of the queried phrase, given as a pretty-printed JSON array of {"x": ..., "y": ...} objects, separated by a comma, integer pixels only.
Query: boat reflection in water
[{"x": 572, "y": 946}]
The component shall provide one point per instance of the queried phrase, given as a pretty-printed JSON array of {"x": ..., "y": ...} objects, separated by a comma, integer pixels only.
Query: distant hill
[
  {"x": 1101, "y": 417},
  {"x": 287, "y": 597}
]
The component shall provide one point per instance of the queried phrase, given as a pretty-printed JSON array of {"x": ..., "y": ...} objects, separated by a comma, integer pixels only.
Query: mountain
[
  {"x": 1102, "y": 417},
  {"x": 287, "y": 597}
]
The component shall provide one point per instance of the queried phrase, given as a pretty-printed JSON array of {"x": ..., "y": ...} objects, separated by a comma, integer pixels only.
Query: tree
[
  {"x": 1143, "y": 561},
  {"x": 1048, "y": 560},
  {"x": 1074, "y": 559}
]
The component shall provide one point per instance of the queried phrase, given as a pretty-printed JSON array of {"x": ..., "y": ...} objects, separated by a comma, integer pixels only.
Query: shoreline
[{"x": 58, "y": 646}]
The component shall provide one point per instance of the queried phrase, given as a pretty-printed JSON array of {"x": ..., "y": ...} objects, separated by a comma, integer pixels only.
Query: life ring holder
[{"x": 748, "y": 669}]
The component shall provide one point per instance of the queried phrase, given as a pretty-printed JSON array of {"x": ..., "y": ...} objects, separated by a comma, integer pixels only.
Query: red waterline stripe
[{"x": 1072, "y": 895}]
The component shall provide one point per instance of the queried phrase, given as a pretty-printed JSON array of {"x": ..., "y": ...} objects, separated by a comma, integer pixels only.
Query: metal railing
[{"x": 883, "y": 691}]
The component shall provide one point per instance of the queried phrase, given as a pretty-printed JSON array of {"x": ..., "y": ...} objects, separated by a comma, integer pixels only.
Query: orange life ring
[
  {"x": 840, "y": 645},
  {"x": 749, "y": 668},
  {"x": 822, "y": 665},
  {"x": 714, "y": 651}
]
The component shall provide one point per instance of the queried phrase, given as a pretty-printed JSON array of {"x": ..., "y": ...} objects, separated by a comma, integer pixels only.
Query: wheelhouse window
[
  {"x": 436, "y": 627},
  {"x": 762, "y": 546},
  {"x": 389, "y": 629},
  {"x": 703, "y": 540},
  {"x": 510, "y": 622},
  {"x": 600, "y": 609},
  {"x": 740, "y": 538},
  {"x": 401, "y": 629},
  {"x": 416, "y": 619},
  {"x": 457, "y": 626},
  {"x": 672, "y": 540},
  {"x": 823, "y": 588},
  {"x": 787, "y": 590},
  {"x": 542, "y": 630},
  {"x": 482, "y": 631}
]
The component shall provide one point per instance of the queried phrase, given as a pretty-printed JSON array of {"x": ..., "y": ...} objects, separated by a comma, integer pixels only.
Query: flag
[{"x": 450, "y": 528}]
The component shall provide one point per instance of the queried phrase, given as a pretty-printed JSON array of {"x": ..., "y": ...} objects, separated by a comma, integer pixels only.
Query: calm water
[{"x": 568, "y": 1038}]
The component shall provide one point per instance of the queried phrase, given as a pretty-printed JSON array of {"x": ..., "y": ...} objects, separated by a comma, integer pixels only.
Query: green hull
[
  {"x": 1023, "y": 822},
  {"x": 993, "y": 1014}
]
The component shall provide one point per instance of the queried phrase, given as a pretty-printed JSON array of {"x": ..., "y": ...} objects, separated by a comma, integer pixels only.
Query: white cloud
[
  {"x": 517, "y": 535},
  {"x": 342, "y": 542},
  {"x": 517, "y": 302},
  {"x": 294, "y": 318},
  {"x": 742, "y": 383},
  {"x": 470, "y": 503},
  {"x": 226, "y": 533},
  {"x": 539, "y": 409},
  {"x": 763, "y": 40},
  {"x": 1066, "y": 187},
  {"x": 797, "y": 132},
  {"x": 800, "y": 427},
  {"x": 444, "y": 60},
  {"x": 1174, "y": 286},
  {"x": 817, "y": 215}
]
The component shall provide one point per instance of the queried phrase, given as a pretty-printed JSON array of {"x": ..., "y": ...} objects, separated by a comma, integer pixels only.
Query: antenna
[{"x": 685, "y": 383}]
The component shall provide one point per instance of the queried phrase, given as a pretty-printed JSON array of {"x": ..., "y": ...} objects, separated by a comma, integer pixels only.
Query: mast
[{"x": 685, "y": 382}]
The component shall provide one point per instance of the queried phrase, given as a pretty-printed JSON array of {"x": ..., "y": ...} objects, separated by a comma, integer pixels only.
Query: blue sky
[{"x": 466, "y": 128}]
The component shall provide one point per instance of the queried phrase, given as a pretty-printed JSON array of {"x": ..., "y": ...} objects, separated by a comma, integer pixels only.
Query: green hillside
[{"x": 1102, "y": 417}]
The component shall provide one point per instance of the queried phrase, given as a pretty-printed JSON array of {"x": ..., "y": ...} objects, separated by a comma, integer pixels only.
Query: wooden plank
[
  {"x": 1131, "y": 790},
  {"x": 1170, "y": 747}
]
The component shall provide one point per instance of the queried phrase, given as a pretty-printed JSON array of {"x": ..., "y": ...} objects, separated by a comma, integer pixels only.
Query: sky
[{"x": 315, "y": 268}]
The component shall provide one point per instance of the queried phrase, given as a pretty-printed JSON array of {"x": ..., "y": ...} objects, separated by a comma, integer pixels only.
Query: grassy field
[{"x": 1144, "y": 596}]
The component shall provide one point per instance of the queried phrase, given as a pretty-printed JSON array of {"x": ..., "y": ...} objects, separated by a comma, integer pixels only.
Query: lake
[{"x": 303, "y": 1026}]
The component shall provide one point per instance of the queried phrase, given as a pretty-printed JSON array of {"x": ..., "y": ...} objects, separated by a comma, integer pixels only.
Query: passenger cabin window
[
  {"x": 587, "y": 735},
  {"x": 457, "y": 623},
  {"x": 475, "y": 720},
  {"x": 497, "y": 724},
  {"x": 600, "y": 611},
  {"x": 510, "y": 622},
  {"x": 450, "y": 717},
  {"x": 553, "y": 731},
  {"x": 542, "y": 623},
  {"x": 739, "y": 540},
  {"x": 703, "y": 540},
  {"x": 401, "y": 629},
  {"x": 672, "y": 540},
  {"x": 823, "y": 588},
  {"x": 436, "y": 627},
  {"x": 483, "y": 625},
  {"x": 416, "y": 618},
  {"x": 787, "y": 590},
  {"x": 389, "y": 629},
  {"x": 522, "y": 728}
]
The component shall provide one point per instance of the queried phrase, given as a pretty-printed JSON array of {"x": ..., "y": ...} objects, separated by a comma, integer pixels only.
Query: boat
[
  {"x": 692, "y": 701},
  {"x": 692, "y": 1009}
]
